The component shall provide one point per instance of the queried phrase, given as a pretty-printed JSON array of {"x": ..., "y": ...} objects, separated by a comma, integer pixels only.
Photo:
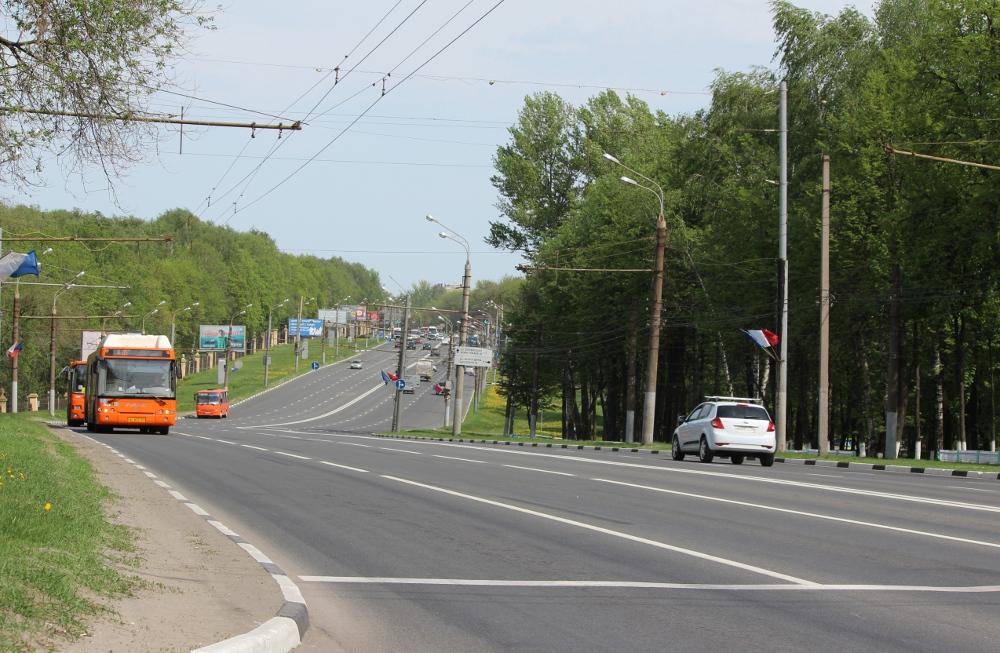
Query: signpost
[
  {"x": 315, "y": 365},
  {"x": 400, "y": 384},
  {"x": 473, "y": 356}
]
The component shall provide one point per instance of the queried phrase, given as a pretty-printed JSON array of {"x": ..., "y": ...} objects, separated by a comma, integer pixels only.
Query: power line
[
  {"x": 377, "y": 100},
  {"x": 350, "y": 161}
]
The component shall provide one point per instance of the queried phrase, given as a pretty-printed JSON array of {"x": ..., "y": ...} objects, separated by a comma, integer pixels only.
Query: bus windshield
[
  {"x": 78, "y": 378},
  {"x": 123, "y": 377}
]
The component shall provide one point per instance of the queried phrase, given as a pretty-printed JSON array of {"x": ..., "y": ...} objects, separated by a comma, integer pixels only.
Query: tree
[{"x": 89, "y": 57}]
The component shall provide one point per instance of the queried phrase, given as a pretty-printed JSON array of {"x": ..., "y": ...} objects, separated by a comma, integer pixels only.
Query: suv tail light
[
  {"x": 770, "y": 427},
  {"x": 717, "y": 423}
]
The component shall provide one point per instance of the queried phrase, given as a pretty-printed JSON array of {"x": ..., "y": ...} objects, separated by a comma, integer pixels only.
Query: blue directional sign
[
  {"x": 400, "y": 384},
  {"x": 315, "y": 365}
]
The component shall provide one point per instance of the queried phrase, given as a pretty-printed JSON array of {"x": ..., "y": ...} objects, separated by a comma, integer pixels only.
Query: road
[{"x": 402, "y": 545}]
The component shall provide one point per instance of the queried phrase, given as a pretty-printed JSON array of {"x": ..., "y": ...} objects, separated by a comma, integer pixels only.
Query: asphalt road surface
[{"x": 403, "y": 545}]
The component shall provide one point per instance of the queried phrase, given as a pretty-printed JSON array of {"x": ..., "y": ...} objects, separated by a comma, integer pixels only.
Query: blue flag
[{"x": 15, "y": 264}]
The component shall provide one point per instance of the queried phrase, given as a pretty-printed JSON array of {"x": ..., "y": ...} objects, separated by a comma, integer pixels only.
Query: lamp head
[
  {"x": 442, "y": 234},
  {"x": 126, "y": 304},
  {"x": 629, "y": 180},
  {"x": 196, "y": 304},
  {"x": 611, "y": 158},
  {"x": 430, "y": 218},
  {"x": 48, "y": 250}
]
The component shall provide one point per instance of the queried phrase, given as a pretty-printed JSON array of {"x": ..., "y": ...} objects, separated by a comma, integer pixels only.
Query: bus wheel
[
  {"x": 163, "y": 430},
  {"x": 91, "y": 427}
]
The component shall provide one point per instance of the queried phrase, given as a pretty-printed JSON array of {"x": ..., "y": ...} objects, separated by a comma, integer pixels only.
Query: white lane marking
[
  {"x": 827, "y": 475},
  {"x": 332, "y": 412},
  {"x": 606, "y": 531},
  {"x": 138, "y": 466},
  {"x": 292, "y": 455},
  {"x": 803, "y": 513},
  {"x": 255, "y": 553},
  {"x": 415, "y": 453},
  {"x": 177, "y": 495},
  {"x": 353, "y": 469},
  {"x": 150, "y": 474},
  {"x": 740, "y": 477},
  {"x": 465, "y": 460},
  {"x": 544, "y": 471},
  {"x": 965, "y": 487},
  {"x": 202, "y": 437},
  {"x": 250, "y": 446},
  {"x": 224, "y": 441},
  {"x": 222, "y": 528},
  {"x": 353, "y": 444},
  {"x": 196, "y": 509},
  {"x": 162, "y": 484},
  {"x": 128, "y": 460},
  {"x": 760, "y": 587}
]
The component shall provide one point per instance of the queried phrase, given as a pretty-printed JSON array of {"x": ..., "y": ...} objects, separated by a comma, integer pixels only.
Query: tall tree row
[{"x": 914, "y": 245}]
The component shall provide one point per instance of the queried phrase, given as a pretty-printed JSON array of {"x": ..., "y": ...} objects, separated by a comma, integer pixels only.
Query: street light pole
[
  {"x": 652, "y": 362},
  {"x": 173, "y": 322},
  {"x": 151, "y": 314},
  {"x": 229, "y": 344},
  {"x": 401, "y": 366},
  {"x": 52, "y": 345},
  {"x": 447, "y": 368},
  {"x": 267, "y": 339}
]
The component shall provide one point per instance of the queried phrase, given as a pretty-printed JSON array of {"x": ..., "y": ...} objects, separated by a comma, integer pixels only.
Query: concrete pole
[
  {"x": 781, "y": 410},
  {"x": 52, "y": 361},
  {"x": 267, "y": 346},
  {"x": 400, "y": 366},
  {"x": 824, "y": 316},
  {"x": 456, "y": 425},
  {"x": 649, "y": 406},
  {"x": 16, "y": 333},
  {"x": 298, "y": 333}
]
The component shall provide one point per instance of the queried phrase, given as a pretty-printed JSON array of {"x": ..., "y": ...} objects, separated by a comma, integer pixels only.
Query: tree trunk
[
  {"x": 894, "y": 359},
  {"x": 630, "y": 376},
  {"x": 938, "y": 399}
]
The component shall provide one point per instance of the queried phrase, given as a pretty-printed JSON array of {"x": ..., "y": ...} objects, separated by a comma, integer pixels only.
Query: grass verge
[
  {"x": 249, "y": 379},
  {"x": 59, "y": 555}
]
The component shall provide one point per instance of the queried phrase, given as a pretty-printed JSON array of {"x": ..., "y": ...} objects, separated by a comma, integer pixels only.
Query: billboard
[
  {"x": 89, "y": 342},
  {"x": 310, "y": 328},
  {"x": 217, "y": 337},
  {"x": 333, "y": 316},
  {"x": 373, "y": 316}
]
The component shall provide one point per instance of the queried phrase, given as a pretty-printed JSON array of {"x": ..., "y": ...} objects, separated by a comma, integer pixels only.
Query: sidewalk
[{"x": 202, "y": 587}]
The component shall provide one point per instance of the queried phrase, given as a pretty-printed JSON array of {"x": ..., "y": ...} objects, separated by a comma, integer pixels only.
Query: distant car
[
  {"x": 355, "y": 365},
  {"x": 411, "y": 345},
  {"x": 411, "y": 384},
  {"x": 730, "y": 427},
  {"x": 428, "y": 345}
]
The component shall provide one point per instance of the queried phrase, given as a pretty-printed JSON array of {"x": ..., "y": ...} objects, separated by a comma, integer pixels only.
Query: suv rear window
[{"x": 743, "y": 412}]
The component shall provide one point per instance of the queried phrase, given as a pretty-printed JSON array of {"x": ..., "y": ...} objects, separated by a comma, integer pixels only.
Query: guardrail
[{"x": 970, "y": 456}]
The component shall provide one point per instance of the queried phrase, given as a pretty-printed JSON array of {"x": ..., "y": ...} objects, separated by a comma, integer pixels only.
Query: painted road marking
[
  {"x": 803, "y": 513},
  {"x": 177, "y": 495},
  {"x": 255, "y": 553},
  {"x": 544, "y": 471},
  {"x": 353, "y": 469},
  {"x": 606, "y": 531},
  {"x": 162, "y": 484},
  {"x": 196, "y": 509},
  {"x": 464, "y": 460},
  {"x": 250, "y": 446},
  {"x": 332, "y": 412},
  {"x": 222, "y": 528},
  {"x": 150, "y": 474},
  {"x": 415, "y": 453},
  {"x": 353, "y": 444},
  {"x": 760, "y": 587},
  {"x": 292, "y": 455}
]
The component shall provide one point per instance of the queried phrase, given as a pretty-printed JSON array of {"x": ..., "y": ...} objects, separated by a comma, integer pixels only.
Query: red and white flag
[{"x": 765, "y": 339}]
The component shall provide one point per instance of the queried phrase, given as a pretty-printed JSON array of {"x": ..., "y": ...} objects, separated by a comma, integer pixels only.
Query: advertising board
[
  {"x": 218, "y": 337},
  {"x": 89, "y": 342},
  {"x": 309, "y": 328}
]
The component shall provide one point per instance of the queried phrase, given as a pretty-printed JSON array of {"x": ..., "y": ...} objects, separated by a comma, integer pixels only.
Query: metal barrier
[{"x": 970, "y": 456}]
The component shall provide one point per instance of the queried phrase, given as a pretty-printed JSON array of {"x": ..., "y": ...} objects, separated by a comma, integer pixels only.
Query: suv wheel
[
  {"x": 736, "y": 459},
  {"x": 766, "y": 459},
  {"x": 705, "y": 454},
  {"x": 675, "y": 449}
]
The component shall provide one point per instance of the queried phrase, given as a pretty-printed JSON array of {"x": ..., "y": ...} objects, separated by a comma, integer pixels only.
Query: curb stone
[
  {"x": 843, "y": 464},
  {"x": 279, "y": 634}
]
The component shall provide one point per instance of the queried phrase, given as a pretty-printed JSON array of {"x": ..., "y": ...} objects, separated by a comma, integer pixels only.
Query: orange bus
[
  {"x": 211, "y": 403},
  {"x": 132, "y": 383},
  {"x": 76, "y": 375}
]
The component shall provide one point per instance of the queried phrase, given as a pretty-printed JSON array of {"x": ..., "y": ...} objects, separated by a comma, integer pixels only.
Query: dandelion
[{"x": 48, "y": 506}]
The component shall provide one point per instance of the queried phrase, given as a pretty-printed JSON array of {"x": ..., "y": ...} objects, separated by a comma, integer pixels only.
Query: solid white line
[
  {"x": 415, "y": 453},
  {"x": 464, "y": 460},
  {"x": 802, "y": 513},
  {"x": 475, "y": 582},
  {"x": 255, "y": 553},
  {"x": 162, "y": 484},
  {"x": 196, "y": 509},
  {"x": 355, "y": 444},
  {"x": 224, "y": 441},
  {"x": 965, "y": 487},
  {"x": 544, "y": 471},
  {"x": 177, "y": 495},
  {"x": 222, "y": 528},
  {"x": 607, "y": 531},
  {"x": 250, "y": 446},
  {"x": 332, "y": 412},
  {"x": 353, "y": 469},
  {"x": 292, "y": 455}
]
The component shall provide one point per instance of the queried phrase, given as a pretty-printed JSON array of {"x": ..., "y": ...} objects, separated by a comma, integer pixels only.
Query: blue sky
[{"x": 427, "y": 145}]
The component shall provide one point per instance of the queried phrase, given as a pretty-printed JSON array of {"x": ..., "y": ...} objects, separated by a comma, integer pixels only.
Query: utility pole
[
  {"x": 458, "y": 410},
  {"x": 15, "y": 333},
  {"x": 824, "y": 315},
  {"x": 298, "y": 333},
  {"x": 781, "y": 409},
  {"x": 400, "y": 366}
]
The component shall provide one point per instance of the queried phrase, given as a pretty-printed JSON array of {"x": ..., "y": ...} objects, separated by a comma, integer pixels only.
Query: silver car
[{"x": 729, "y": 427}]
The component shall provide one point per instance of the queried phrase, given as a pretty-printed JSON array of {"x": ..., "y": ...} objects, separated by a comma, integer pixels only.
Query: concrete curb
[
  {"x": 281, "y": 633},
  {"x": 842, "y": 464}
]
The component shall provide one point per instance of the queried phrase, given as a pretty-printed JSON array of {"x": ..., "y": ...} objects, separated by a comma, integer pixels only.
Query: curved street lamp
[
  {"x": 649, "y": 404},
  {"x": 151, "y": 314}
]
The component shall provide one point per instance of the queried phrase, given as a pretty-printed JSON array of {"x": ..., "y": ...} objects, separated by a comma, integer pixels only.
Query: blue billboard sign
[{"x": 311, "y": 328}]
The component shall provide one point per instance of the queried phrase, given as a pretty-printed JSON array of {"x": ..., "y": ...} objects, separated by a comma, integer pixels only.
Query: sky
[{"x": 426, "y": 145}]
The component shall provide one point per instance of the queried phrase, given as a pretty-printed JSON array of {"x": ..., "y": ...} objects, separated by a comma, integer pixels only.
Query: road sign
[
  {"x": 473, "y": 356},
  {"x": 400, "y": 384},
  {"x": 315, "y": 365}
]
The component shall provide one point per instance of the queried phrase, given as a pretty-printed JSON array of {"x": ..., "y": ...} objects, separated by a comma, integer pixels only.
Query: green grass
[
  {"x": 249, "y": 380},
  {"x": 905, "y": 462},
  {"x": 56, "y": 565}
]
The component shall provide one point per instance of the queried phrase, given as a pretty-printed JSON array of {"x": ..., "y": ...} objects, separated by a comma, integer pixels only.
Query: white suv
[{"x": 730, "y": 427}]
